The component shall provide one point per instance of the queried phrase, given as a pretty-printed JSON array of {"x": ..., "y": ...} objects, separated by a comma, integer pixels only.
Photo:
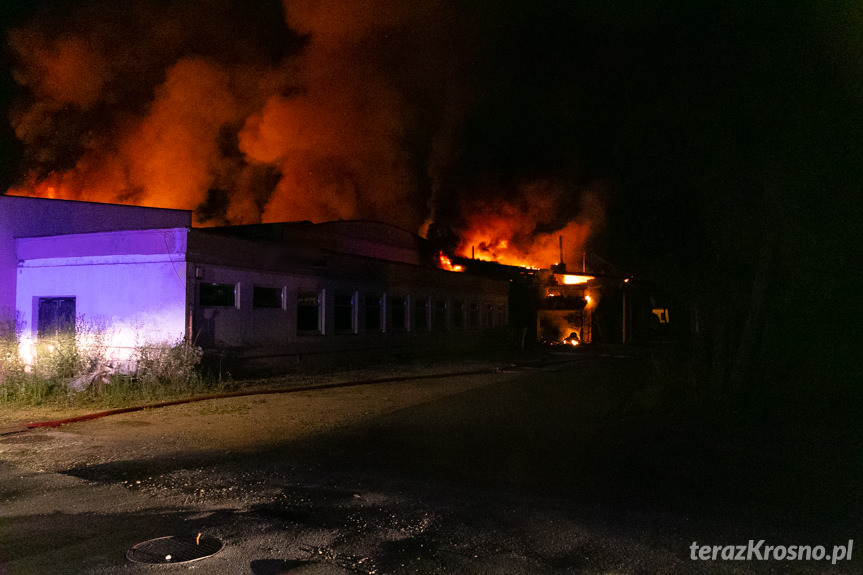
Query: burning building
[
  {"x": 564, "y": 313},
  {"x": 254, "y": 296}
]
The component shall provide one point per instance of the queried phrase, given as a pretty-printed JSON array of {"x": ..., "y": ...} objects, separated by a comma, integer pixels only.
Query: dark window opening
[
  {"x": 267, "y": 297},
  {"x": 421, "y": 314},
  {"x": 473, "y": 315},
  {"x": 56, "y": 317},
  {"x": 218, "y": 295},
  {"x": 489, "y": 315},
  {"x": 374, "y": 307},
  {"x": 398, "y": 313},
  {"x": 309, "y": 312},
  {"x": 344, "y": 313},
  {"x": 458, "y": 315},
  {"x": 439, "y": 319}
]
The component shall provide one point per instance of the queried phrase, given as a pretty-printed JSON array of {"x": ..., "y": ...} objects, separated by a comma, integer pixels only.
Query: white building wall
[
  {"x": 22, "y": 217},
  {"x": 140, "y": 298}
]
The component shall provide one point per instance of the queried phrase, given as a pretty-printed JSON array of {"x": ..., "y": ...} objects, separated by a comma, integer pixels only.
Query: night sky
[{"x": 720, "y": 140}]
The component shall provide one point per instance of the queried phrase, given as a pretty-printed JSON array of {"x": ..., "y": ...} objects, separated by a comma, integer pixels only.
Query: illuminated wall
[
  {"x": 22, "y": 217},
  {"x": 133, "y": 282}
]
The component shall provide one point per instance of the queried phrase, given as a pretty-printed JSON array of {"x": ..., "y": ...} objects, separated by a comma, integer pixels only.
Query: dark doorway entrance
[{"x": 56, "y": 316}]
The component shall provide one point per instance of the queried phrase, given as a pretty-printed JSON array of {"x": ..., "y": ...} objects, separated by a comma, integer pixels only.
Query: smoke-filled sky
[{"x": 441, "y": 116}]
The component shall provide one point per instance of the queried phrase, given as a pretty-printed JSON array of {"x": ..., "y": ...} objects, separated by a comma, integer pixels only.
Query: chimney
[{"x": 559, "y": 268}]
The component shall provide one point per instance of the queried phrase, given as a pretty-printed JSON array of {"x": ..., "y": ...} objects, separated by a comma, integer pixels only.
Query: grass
[
  {"x": 119, "y": 391},
  {"x": 72, "y": 371}
]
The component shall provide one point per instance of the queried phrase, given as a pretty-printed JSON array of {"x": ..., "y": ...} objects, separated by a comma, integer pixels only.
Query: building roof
[{"x": 354, "y": 237}]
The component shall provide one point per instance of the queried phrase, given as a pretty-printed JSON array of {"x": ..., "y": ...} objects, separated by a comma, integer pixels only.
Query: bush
[
  {"x": 11, "y": 366},
  {"x": 73, "y": 367},
  {"x": 77, "y": 358},
  {"x": 167, "y": 363}
]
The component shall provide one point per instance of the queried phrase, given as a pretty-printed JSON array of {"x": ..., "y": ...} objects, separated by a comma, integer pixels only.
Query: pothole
[{"x": 174, "y": 549}]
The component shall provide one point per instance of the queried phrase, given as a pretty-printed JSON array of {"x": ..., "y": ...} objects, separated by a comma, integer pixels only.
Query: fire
[
  {"x": 446, "y": 263},
  {"x": 526, "y": 228},
  {"x": 230, "y": 113},
  {"x": 504, "y": 240},
  {"x": 572, "y": 339},
  {"x": 249, "y": 115},
  {"x": 574, "y": 279}
]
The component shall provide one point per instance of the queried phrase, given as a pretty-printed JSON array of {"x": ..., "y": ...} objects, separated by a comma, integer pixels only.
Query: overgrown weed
[{"x": 73, "y": 369}]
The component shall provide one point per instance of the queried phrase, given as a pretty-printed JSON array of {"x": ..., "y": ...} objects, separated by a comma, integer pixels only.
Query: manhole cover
[{"x": 174, "y": 549}]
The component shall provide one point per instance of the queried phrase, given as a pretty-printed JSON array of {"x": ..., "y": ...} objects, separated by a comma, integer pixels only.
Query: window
[
  {"x": 398, "y": 313},
  {"x": 344, "y": 312},
  {"x": 374, "y": 312},
  {"x": 56, "y": 316},
  {"x": 218, "y": 295},
  {"x": 309, "y": 310},
  {"x": 267, "y": 297},
  {"x": 489, "y": 315},
  {"x": 439, "y": 317},
  {"x": 421, "y": 313},
  {"x": 501, "y": 315},
  {"x": 457, "y": 316},
  {"x": 473, "y": 315}
]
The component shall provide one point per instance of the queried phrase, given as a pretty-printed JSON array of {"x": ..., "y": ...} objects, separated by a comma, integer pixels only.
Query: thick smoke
[
  {"x": 142, "y": 105},
  {"x": 311, "y": 109},
  {"x": 197, "y": 106}
]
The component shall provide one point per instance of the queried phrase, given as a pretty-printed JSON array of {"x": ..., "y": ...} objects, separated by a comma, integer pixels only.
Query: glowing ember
[
  {"x": 573, "y": 279},
  {"x": 446, "y": 263},
  {"x": 572, "y": 339}
]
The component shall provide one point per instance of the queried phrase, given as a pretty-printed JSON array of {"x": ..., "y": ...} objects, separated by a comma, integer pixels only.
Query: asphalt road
[{"x": 542, "y": 470}]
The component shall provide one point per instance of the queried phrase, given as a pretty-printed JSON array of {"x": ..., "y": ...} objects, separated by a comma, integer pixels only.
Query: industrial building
[{"x": 253, "y": 297}]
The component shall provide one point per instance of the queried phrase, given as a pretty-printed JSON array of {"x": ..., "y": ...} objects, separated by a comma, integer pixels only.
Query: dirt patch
[
  {"x": 223, "y": 426},
  {"x": 18, "y": 415}
]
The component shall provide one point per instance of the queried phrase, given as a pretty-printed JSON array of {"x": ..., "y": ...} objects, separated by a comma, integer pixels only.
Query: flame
[
  {"x": 574, "y": 279},
  {"x": 312, "y": 118},
  {"x": 572, "y": 339},
  {"x": 526, "y": 228},
  {"x": 512, "y": 240},
  {"x": 446, "y": 264},
  {"x": 245, "y": 114}
]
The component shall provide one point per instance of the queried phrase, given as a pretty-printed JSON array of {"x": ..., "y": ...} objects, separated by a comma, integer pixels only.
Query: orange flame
[
  {"x": 210, "y": 121},
  {"x": 446, "y": 264},
  {"x": 511, "y": 239},
  {"x": 516, "y": 232}
]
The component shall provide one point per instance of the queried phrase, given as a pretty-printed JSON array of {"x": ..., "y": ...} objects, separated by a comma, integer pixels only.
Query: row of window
[{"x": 378, "y": 311}]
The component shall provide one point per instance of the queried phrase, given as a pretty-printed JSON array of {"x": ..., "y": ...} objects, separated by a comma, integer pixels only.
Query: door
[{"x": 56, "y": 315}]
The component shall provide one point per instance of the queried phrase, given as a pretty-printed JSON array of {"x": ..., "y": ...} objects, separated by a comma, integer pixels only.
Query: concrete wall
[
  {"x": 247, "y": 334},
  {"x": 28, "y": 217},
  {"x": 132, "y": 282}
]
